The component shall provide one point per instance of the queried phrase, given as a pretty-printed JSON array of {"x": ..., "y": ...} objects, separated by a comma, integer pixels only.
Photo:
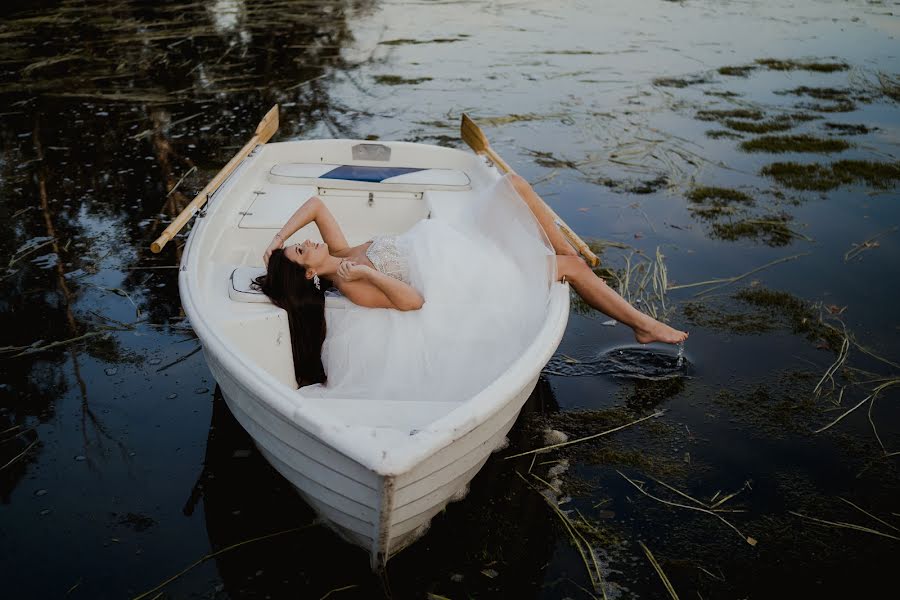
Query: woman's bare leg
[
  {"x": 596, "y": 293},
  {"x": 559, "y": 242}
]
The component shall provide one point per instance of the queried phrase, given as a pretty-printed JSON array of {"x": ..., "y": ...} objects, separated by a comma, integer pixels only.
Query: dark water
[{"x": 121, "y": 465}]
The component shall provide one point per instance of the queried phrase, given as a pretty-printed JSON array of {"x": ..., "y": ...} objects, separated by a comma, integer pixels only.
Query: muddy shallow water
[{"x": 736, "y": 164}]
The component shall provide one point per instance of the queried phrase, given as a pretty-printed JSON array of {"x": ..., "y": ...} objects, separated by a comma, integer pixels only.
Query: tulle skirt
[{"x": 485, "y": 277}]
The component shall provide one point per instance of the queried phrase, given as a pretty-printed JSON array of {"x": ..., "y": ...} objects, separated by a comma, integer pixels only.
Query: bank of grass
[
  {"x": 778, "y": 144},
  {"x": 822, "y": 177}
]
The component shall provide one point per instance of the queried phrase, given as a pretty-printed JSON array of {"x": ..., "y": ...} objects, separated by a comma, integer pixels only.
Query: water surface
[{"x": 121, "y": 463}]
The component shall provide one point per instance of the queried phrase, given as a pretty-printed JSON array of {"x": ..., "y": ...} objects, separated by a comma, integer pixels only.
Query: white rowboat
[{"x": 376, "y": 471}]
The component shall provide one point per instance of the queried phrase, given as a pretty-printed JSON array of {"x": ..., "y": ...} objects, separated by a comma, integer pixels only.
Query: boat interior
[{"x": 372, "y": 189}]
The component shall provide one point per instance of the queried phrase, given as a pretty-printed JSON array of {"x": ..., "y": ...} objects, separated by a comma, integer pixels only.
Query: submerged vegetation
[
  {"x": 680, "y": 82},
  {"x": 398, "y": 80},
  {"x": 882, "y": 175},
  {"x": 718, "y": 196},
  {"x": 748, "y": 120},
  {"x": 770, "y": 310},
  {"x": 777, "y": 144},
  {"x": 736, "y": 71},
  {"x": 776, "y": 64}
]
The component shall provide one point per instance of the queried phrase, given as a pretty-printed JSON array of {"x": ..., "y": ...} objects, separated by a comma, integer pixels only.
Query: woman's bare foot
[{"x": 654, "y": 331}]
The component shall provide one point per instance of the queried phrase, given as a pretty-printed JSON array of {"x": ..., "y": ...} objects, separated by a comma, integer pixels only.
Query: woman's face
[{"x": 309, "y": 255}]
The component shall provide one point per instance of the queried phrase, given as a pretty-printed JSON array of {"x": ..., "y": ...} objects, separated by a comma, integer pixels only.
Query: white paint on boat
[{"x": 376, "y": 471}]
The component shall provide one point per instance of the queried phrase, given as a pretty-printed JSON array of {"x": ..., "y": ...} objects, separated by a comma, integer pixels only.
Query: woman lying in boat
[{"x": 393, "y": 272}]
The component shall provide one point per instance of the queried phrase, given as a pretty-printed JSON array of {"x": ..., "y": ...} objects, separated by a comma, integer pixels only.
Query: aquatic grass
[
  {"x": 857, "y": 249},
  {"x": 718, "y": 195},
  {"x": 732, "y": 113},
  {"x": 717, "y": 134},
  {"x": 640, "y": 487},
  {"x": 870, "y": 398},
  {"x": 774, "y": 231},
  {"x": 768, "y": 126},
  {"x": 849, "y": 128},
  {"x": 38, "y": 346},
  {"x": 822, "y": 93},
  {"x": 19, "y": 456},
  {"x": 737, "y": 71},
  {"x": 329, "y": 593},
  {"x": 206, "y": 557},
  {"x": 843, "y": 525},
  {"x": 680, "y": 82},
  {"x": 586, "y": 438},
  {"x": 868, "y": 514},
  {"x": 777, "y": 144},
  {"x": 659, "y": 571},
  {"x": 584, "y": 548},
  {"x": 776, "y": 64},
  {"x": 838, "y": 106},
  {"x": 412, "y": 42},
  {"x": 839, "y": 362},
  {"x": 819, "y": 177},
  {"x": 725, "y": 281}
]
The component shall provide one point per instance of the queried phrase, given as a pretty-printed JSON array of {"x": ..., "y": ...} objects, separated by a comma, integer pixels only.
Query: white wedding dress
[{"x": 485, "y": 277}]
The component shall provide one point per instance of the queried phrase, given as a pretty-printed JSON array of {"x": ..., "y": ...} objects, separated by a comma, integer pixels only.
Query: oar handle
[
  {"x": 573, "y": 238},
  {"x": 264, "y": 132}
]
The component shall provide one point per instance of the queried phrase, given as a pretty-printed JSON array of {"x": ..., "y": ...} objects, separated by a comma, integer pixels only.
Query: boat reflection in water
[{"x": 500, "y": 537}]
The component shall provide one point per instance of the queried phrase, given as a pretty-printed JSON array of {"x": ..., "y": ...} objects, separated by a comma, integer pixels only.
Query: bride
[{"x": 464, "y": 298}]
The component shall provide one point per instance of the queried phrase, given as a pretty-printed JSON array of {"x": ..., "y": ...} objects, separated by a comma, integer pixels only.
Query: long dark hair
[{"x": 285, "y": 283}]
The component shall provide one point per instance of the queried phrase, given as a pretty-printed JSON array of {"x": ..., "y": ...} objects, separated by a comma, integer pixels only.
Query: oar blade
[
  {"x": 268, "y": 126},
  {"x": 472, "y": 135}
]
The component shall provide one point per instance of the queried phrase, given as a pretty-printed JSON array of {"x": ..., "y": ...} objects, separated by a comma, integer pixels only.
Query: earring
[{"x": 316, "y": 282}]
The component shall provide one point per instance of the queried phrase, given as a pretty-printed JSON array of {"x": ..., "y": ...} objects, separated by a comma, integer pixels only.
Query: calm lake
[{"x": 734, "y": 164}]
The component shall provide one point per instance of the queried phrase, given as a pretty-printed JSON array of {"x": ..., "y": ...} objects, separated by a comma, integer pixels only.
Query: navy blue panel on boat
[{"x": 370, "y": 174}]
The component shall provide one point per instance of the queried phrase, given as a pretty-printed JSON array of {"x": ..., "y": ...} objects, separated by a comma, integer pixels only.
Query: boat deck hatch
[{"x": 354, "y": 177}]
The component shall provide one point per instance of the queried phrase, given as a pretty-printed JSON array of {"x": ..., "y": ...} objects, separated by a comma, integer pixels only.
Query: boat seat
[
  {"x": 242, "y": 289},
  {"x": 380, "y": 178}
]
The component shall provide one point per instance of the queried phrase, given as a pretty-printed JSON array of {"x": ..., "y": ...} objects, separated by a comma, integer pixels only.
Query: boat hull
[{"x": 382, "y": 514}]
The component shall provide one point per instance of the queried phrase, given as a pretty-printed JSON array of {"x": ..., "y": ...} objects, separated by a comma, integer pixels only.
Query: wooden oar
[
  {"x": 477, "y": 141},
  {"x": 264, "y": 132}
]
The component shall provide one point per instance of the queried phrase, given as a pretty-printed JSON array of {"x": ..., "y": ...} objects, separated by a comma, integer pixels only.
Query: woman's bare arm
[
  {"x": 311, "y": 211},
  {"x": 314, "y": 210},
  {"x": 367, "y": 287}
]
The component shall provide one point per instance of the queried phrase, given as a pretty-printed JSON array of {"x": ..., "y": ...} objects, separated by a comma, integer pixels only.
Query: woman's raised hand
[
  {"x": 277, "y": 243},
  {"x": 351, "y": 271}
]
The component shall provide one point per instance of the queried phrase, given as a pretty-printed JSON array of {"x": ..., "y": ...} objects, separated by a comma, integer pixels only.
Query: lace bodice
[{"x": 388, "y": 256}]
